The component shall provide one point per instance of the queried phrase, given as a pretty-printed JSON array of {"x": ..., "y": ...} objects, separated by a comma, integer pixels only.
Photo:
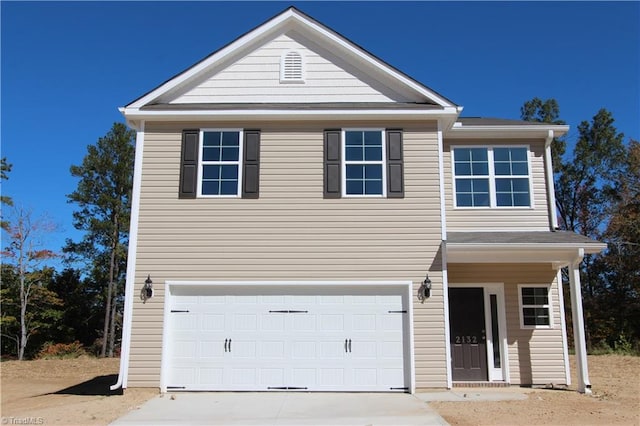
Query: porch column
[{"x": 580, "y": 343}]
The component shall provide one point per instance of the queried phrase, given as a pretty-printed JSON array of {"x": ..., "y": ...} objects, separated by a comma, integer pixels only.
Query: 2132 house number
[{"x": 466, "y": 339}]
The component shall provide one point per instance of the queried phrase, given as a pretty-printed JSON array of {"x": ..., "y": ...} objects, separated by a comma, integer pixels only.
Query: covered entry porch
[{"x": 506, "y": 306}]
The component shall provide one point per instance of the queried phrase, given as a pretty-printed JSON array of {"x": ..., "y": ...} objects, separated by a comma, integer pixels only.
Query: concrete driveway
[{"x": 282, "y": 408}]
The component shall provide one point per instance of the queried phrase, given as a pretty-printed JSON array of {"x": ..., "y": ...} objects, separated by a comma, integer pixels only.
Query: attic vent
[{"x": 291, "y": 68}]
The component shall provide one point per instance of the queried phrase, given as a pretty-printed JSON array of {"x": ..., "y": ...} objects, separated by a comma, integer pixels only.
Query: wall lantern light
[
  {"x": 424, "y": 291},
  {"x": 147, "y": 289}
]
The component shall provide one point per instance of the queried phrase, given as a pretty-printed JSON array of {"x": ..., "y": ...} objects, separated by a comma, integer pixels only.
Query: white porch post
[{"x": 580, "y": 343}]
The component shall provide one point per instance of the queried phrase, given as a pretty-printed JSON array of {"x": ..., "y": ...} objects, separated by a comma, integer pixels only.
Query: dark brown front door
[{"x": 468, "y": 348}]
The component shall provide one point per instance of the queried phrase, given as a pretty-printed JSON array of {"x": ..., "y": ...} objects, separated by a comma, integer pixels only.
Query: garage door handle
[
  {"x": 229, "y": 345},
  {"x": 225, "y": 344},
  {"x": 345, "y": 345},
  {"x": 349, "y": 345}
]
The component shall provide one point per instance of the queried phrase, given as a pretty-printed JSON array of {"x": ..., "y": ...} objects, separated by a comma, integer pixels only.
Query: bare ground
[
  {"x": 615, "y": 382},
  {"x": 76, "y": 392}
]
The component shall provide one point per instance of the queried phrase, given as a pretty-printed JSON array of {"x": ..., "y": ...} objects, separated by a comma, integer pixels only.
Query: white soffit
[{"x": 461, "y": 131}]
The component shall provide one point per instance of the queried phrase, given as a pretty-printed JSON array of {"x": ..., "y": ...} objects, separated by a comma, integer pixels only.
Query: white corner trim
[
  {"x": 164, "y": 360},
  {"x": 131, "y": 262},
  {"x": 551, "y": 189}
]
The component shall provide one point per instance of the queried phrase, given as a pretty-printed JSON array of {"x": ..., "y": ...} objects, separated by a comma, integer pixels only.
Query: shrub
[{"x": 61, "y": 350}]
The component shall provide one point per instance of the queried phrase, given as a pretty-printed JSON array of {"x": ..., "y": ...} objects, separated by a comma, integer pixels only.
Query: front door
[{"x": 468, "y": 334}]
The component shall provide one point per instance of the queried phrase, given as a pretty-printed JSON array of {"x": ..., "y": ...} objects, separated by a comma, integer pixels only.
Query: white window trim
[
  {"x": 548, "y": 306},
  {"x": 492, "y": 178},
  {"x": 201, "y": 163},
  {"x": 302, "y": 78},
  {"x": 383, "y": 162}
]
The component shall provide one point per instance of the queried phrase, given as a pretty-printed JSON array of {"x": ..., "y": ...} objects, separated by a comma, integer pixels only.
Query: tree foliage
[
  {"x": 27, "y": 255},
  {"x": 597, "y": 195},
  {"x": 103, "y": 197}
]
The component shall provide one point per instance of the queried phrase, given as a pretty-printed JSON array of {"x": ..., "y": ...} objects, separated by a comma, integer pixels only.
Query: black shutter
[
  {"x": 332, "y": 166},
  {"x": 189, "y": 164},
  {"x": 251, "y": 164},
  {"x": 395, "y": 166}
]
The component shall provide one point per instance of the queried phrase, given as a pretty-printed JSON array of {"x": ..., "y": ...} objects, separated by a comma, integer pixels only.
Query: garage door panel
[{"x": 323, "y": 342}]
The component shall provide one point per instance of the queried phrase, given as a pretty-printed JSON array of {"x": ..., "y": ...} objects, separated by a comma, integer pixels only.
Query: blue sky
[{"x": 67, "y": 67}]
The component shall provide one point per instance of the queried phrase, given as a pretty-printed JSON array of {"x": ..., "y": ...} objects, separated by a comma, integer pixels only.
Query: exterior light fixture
[
  {"x": 147, "y": 290},
  {"x": 424, "y": 291}
]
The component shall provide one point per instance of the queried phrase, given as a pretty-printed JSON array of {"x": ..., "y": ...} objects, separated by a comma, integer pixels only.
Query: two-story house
[{"x": 306, "y": 216}]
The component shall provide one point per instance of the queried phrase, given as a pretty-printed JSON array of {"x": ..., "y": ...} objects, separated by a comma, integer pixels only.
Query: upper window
[
  {"x": 535, "y": 306},
  {"x": 220, "y": 154},
  {"x": 363, "y": 162},
  {"x": 291, "y": 68},
  {"x": 492, "y": 177}
]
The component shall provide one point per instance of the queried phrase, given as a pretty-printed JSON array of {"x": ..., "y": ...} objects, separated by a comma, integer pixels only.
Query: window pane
[
  {"x": 463, "y": 169},
  {"x": 464, "y": 200},
  {"x": 373, "y": 154},
  {"x": 504, "y": 199},
  {"x": 481, "y": 200},
  {"x": 228, "y": 187},
  {"x": 210, "y": 154},
  {"x": 355, "y": 187},
  {"x": 520, "y": 185},
  {"x": 503, "y": 169},
  {"x": 354, "y": 154},
  {"x": 501, "y": 154},
  {"x": 503, "y": 185},
  {"x": 535, "y": 316},
  {"x": 211, "y": 139},
  {"x": 354, "y": 171},
  {"x": 521, "y": 200},
  {"x": 231, "y": 139},
  {"x": 230, "y": 154},
  {"x": 353, "y": 138},
  {"x": 519, "y": 154},
  {"x": 520, "y": 169},
  {"x": 210, "y": 172},
  {"x": 462, "y": 154},
  {"x": 210, "y": 187},
  {"x": 373, "y": 138},
  {"x": 480, "y": 169},
  {"x": 479, "y": 154},
  {"x": 463, "y": 185},
  {"x": 229, "y": 172},
  {"x": 373, "y": 171},
  {"x": 373, "y": 187},
  {"x": 480, "y": 185}
]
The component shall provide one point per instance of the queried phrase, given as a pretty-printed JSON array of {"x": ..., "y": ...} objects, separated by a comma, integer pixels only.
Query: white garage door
[{"x": 286, "y": 338}]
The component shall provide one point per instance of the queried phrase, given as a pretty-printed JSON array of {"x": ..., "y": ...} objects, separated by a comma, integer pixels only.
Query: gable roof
[{"x": 291, "y": 19}]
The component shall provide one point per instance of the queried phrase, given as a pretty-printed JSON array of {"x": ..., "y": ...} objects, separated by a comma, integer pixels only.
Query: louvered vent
[{"x": 291, "y": 68}]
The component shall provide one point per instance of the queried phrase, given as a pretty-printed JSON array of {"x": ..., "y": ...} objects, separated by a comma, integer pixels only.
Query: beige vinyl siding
[
  {"x": 290, "y": 233},
  {"x": 535, "y": 356},
  {"x": 503, "y": 218},
  {"x": 256, "y": 78}
]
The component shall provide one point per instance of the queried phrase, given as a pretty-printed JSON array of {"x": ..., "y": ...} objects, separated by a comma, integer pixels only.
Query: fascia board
[
  {"x": 136, "y": 114},
  {"x": 526, "y": 253},
  {"x": 503, "y": 132},
  {"x": 289, "y": 19}
]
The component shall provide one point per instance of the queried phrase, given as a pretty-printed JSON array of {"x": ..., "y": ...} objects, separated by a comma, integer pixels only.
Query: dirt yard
[
  {"x": 615, "y": 382},
  {"x": 76, "y": 392}
]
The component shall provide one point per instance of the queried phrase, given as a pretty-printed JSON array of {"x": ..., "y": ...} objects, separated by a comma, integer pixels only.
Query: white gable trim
[{"x": 289, "y": 19}]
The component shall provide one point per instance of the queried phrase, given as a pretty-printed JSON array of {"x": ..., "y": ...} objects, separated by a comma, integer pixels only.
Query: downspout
[
  {"x": 551, "y": 190},
  {"x": 131, "y": 261}
]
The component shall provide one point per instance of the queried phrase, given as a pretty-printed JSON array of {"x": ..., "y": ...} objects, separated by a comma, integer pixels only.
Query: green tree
[
  {"x": 547, "y": 111},
  {"x": 103, "y": 196},
  {"x": 26, "y": 254}
]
